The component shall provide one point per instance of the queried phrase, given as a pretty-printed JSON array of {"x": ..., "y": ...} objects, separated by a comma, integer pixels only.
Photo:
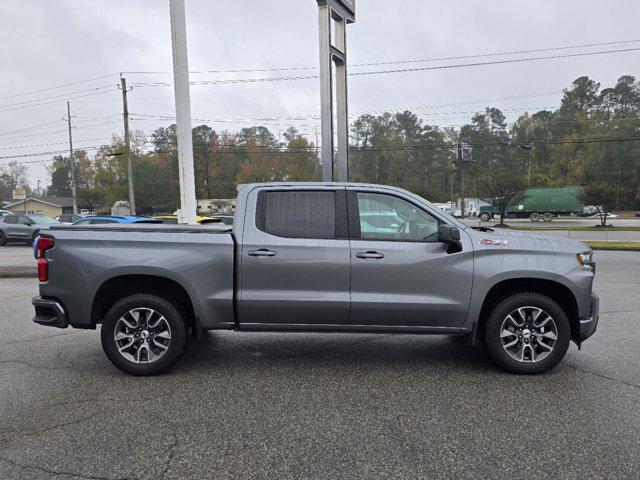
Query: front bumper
[
  {"x": 589, "y": 324},
  {"x": 49, "y": 312}
]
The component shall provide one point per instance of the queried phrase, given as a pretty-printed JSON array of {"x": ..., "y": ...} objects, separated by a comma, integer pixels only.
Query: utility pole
[
  {"x": 72, "y": 173},
  {"x": 463, "y": 157},
  {"x": 461, "y": 190},
  {"x": 187, "y": 212},
  {"x": 618, "y": 192},
  {"x": 127, "y": 144}
]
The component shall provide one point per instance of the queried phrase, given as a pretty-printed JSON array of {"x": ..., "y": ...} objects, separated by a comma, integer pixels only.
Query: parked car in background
[
  {"x": 4, "y": 213},
  {"x": 23, "y": 227},
  {"x": 226, "y": 219},
  {"x": 173, "y": 219},
  {"x": 101, "y": 220},
  {"x": 69, "y": 218}
]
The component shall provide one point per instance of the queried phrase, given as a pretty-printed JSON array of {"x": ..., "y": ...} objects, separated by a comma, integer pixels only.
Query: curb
[{"x": 18, "y": 272}]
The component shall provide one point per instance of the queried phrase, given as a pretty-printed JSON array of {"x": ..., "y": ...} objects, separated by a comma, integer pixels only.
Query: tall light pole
[{"x": 187, "y": 212}]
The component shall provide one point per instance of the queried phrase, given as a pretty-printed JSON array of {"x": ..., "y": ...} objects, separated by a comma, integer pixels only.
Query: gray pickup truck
[{"x": 325, "y": 257}]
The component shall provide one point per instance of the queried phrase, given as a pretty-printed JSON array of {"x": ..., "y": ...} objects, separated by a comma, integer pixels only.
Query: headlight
[{"x": 585, "y": 259}]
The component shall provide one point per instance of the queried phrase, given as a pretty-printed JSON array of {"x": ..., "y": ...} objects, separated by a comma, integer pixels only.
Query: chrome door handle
[
  {"x": 262, "y": 252},
  {"x": 370, "y": 255}
]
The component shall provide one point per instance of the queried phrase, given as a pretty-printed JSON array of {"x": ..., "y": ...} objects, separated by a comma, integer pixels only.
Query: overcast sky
[{"x": 50, "y": 43}]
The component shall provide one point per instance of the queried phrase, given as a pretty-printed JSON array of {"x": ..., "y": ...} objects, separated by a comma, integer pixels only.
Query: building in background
[
  {"x": 52, "y": 206},
  {"x": 217, "y": 205}
]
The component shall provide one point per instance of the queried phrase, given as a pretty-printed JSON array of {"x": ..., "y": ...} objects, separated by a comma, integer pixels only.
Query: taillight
[
  {"x": 42, "y": 245},
  {"x": 43, "y": 269}
]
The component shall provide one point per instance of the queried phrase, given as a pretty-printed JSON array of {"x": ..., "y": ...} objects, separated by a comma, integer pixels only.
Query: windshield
[
  {"x": 43, "y": 219},
  {"x": 450, "y": 218}
]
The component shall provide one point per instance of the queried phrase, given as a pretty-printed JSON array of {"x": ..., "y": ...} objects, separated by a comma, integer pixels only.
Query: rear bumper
[
  {"x": 49, "y": 312},
  {"x": 589, "y": 324}
]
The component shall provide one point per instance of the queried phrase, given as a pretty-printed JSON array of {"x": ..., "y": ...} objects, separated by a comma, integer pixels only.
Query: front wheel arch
[{"x": 552, "y": 289}]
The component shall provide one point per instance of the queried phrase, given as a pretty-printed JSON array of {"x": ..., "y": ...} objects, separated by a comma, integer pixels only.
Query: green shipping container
[{"x": 553, "y": 199}]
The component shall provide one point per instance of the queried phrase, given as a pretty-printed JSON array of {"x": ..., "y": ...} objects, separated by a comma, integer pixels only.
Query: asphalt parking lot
[{"x": 253, "y": 405}]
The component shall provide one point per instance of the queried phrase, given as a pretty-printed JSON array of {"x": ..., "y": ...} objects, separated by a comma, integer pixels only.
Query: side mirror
[{"x": 451, "y": 236}]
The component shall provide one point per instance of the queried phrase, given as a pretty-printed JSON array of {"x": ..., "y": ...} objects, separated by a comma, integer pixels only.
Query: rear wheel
[
  {"x": 547, "y": 216},
  {"x": 527, "y": 333},
  {"x": 143, "y": 335},
  {"x": 485, "y": 217},
  {"x": 534, "y": 217}
]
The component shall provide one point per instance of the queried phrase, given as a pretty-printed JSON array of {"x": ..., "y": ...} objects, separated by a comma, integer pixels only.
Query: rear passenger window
[
  {"x": 11, "y": 219},
  {"x": 299, "y": 214}
]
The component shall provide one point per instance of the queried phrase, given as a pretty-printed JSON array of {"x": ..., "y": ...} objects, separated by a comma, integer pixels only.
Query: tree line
[{"x": 592, "y": 139}]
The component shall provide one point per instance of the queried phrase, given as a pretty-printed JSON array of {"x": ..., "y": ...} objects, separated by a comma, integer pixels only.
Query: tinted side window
[
  {"x": 385, "y": 217},
  {"x": 300, "y": 214},
  {"x": 23, "y": 220},
  {"x": 11, "y": 219},
  {"x": 101, "y": 222},
  {"x": 83, "y": 222}
]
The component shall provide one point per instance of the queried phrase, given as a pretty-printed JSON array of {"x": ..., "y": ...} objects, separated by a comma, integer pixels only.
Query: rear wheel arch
[
  {"x": 116, "y": 288},
  {"x": 558, "y": 292}
]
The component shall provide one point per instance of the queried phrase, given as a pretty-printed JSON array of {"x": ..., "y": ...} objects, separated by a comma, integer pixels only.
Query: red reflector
[
  {"x": 43, "y": 269},
  {"x": 44, "y": 244}
]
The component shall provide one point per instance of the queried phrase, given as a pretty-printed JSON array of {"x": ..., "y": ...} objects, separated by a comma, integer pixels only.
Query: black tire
[
  {"x": 485, "y": 217},
  {"x": 547, "y": 216},
  {"x": 534, "y": 217},
  {"x": 176, "y": 344},
  {"x": 503, "y": 309},
  {"x": 3, "y": 239}
]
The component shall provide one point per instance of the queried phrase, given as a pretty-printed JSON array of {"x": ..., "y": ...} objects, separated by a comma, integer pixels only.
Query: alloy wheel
[
  {"x": 142, "y": 335},
  {"x": 528, "y": 334}
]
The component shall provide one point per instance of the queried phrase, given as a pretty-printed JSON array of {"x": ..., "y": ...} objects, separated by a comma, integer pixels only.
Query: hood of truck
[{"x": 522, "y": 240}]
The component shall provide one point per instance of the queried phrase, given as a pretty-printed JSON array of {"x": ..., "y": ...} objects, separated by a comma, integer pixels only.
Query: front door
[
  {"x": 400, "y": 274},
  {"x": 295, "y": 258}
]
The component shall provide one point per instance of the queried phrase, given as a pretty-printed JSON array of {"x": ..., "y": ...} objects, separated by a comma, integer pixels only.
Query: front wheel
[
  {"x": 527, "y": 333},
  {"x": 143, "y": 335},
  {"x": 485, "y": 217}
]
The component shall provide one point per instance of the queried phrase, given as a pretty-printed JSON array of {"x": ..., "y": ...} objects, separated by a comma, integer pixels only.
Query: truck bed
[{"x": 94, "y": 260}]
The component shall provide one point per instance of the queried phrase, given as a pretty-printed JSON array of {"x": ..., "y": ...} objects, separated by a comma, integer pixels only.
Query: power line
[
  {"x": 39, "y": 104},
  {"x": 355, "y": 148},
  {"x": 398, "y": 62},
  {"x": 59, "y": 86},
  {"x": 384, "y": 72},
  {"x": 496, "y": 62},
  {"x": 62, "y": 96}
]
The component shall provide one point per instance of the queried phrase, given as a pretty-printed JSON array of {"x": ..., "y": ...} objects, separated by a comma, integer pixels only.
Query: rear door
[
  {"x": 401, "y": 275},
  {"x": 295, "y": 258}
]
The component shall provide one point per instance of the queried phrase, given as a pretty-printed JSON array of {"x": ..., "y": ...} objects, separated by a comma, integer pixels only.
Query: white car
[
  {"x": 600, "y": 215},
  {"x": 4, "y": 213}
]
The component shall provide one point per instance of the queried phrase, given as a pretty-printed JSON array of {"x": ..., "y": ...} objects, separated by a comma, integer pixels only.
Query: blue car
[{"x": 97, "y": 220}]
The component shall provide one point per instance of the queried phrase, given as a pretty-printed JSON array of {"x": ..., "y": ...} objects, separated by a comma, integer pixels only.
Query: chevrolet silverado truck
[{"x": 325, "y": 257}]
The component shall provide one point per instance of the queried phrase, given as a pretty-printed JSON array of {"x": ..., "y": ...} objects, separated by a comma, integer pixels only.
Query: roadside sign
[
  {"x": 464, "y": 152},
  {"x": 19, "y": 194}
]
